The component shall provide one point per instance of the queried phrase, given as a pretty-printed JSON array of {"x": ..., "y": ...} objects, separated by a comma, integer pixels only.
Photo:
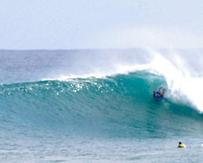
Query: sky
[{"x": 79, "y": 24}]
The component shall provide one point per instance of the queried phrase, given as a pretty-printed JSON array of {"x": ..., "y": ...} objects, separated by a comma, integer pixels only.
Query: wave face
[
  {"x": 101, "y": 92},
  {"x": 115, "y": 106},
  {"x": 181, "y": 68}
]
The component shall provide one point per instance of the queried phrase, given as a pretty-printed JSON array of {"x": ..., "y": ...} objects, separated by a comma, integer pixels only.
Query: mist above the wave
[
  {"x": 183, "y": 76},
  {"x": 182, "y": 68},
  {"x": 183, "y": 72}
]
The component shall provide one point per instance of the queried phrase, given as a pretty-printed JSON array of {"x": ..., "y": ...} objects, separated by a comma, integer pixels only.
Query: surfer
[
  {"x": 159, "y": 94},
  {"x": 181, "y": 145}
]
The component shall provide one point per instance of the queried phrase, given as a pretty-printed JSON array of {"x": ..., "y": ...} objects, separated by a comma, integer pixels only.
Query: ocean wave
[{"x": 120, "y": 105}]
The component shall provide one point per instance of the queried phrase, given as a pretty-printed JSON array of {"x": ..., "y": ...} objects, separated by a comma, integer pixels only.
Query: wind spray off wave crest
[
  {"x": 182, "y": 69},
  {"x": 182, "y": 72},
  {"x": 184, "y": 83}
]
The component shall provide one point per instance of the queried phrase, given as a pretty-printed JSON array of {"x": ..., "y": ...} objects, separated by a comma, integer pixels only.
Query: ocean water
[{"x": 97, "y": 105}]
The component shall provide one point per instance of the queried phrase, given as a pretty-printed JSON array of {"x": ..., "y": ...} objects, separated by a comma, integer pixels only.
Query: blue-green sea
[{"x": 97, "y": 106}]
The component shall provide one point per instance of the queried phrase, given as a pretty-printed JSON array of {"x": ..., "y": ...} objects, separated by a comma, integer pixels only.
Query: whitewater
[{"x": 97, "y": 105}]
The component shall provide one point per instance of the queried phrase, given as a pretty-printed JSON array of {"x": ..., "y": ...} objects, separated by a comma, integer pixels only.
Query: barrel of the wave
[{"x": 181, "y": 145}]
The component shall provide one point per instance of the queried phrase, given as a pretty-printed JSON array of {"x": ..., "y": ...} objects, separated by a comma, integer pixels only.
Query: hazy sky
[{"x": 68, "y": 24}]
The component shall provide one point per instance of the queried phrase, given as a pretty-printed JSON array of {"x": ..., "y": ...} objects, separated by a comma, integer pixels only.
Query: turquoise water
[
  {"x": 118, "y": 106},
  {"x": 112, "y": 119},
  {"x": 105, "y": 119}
]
